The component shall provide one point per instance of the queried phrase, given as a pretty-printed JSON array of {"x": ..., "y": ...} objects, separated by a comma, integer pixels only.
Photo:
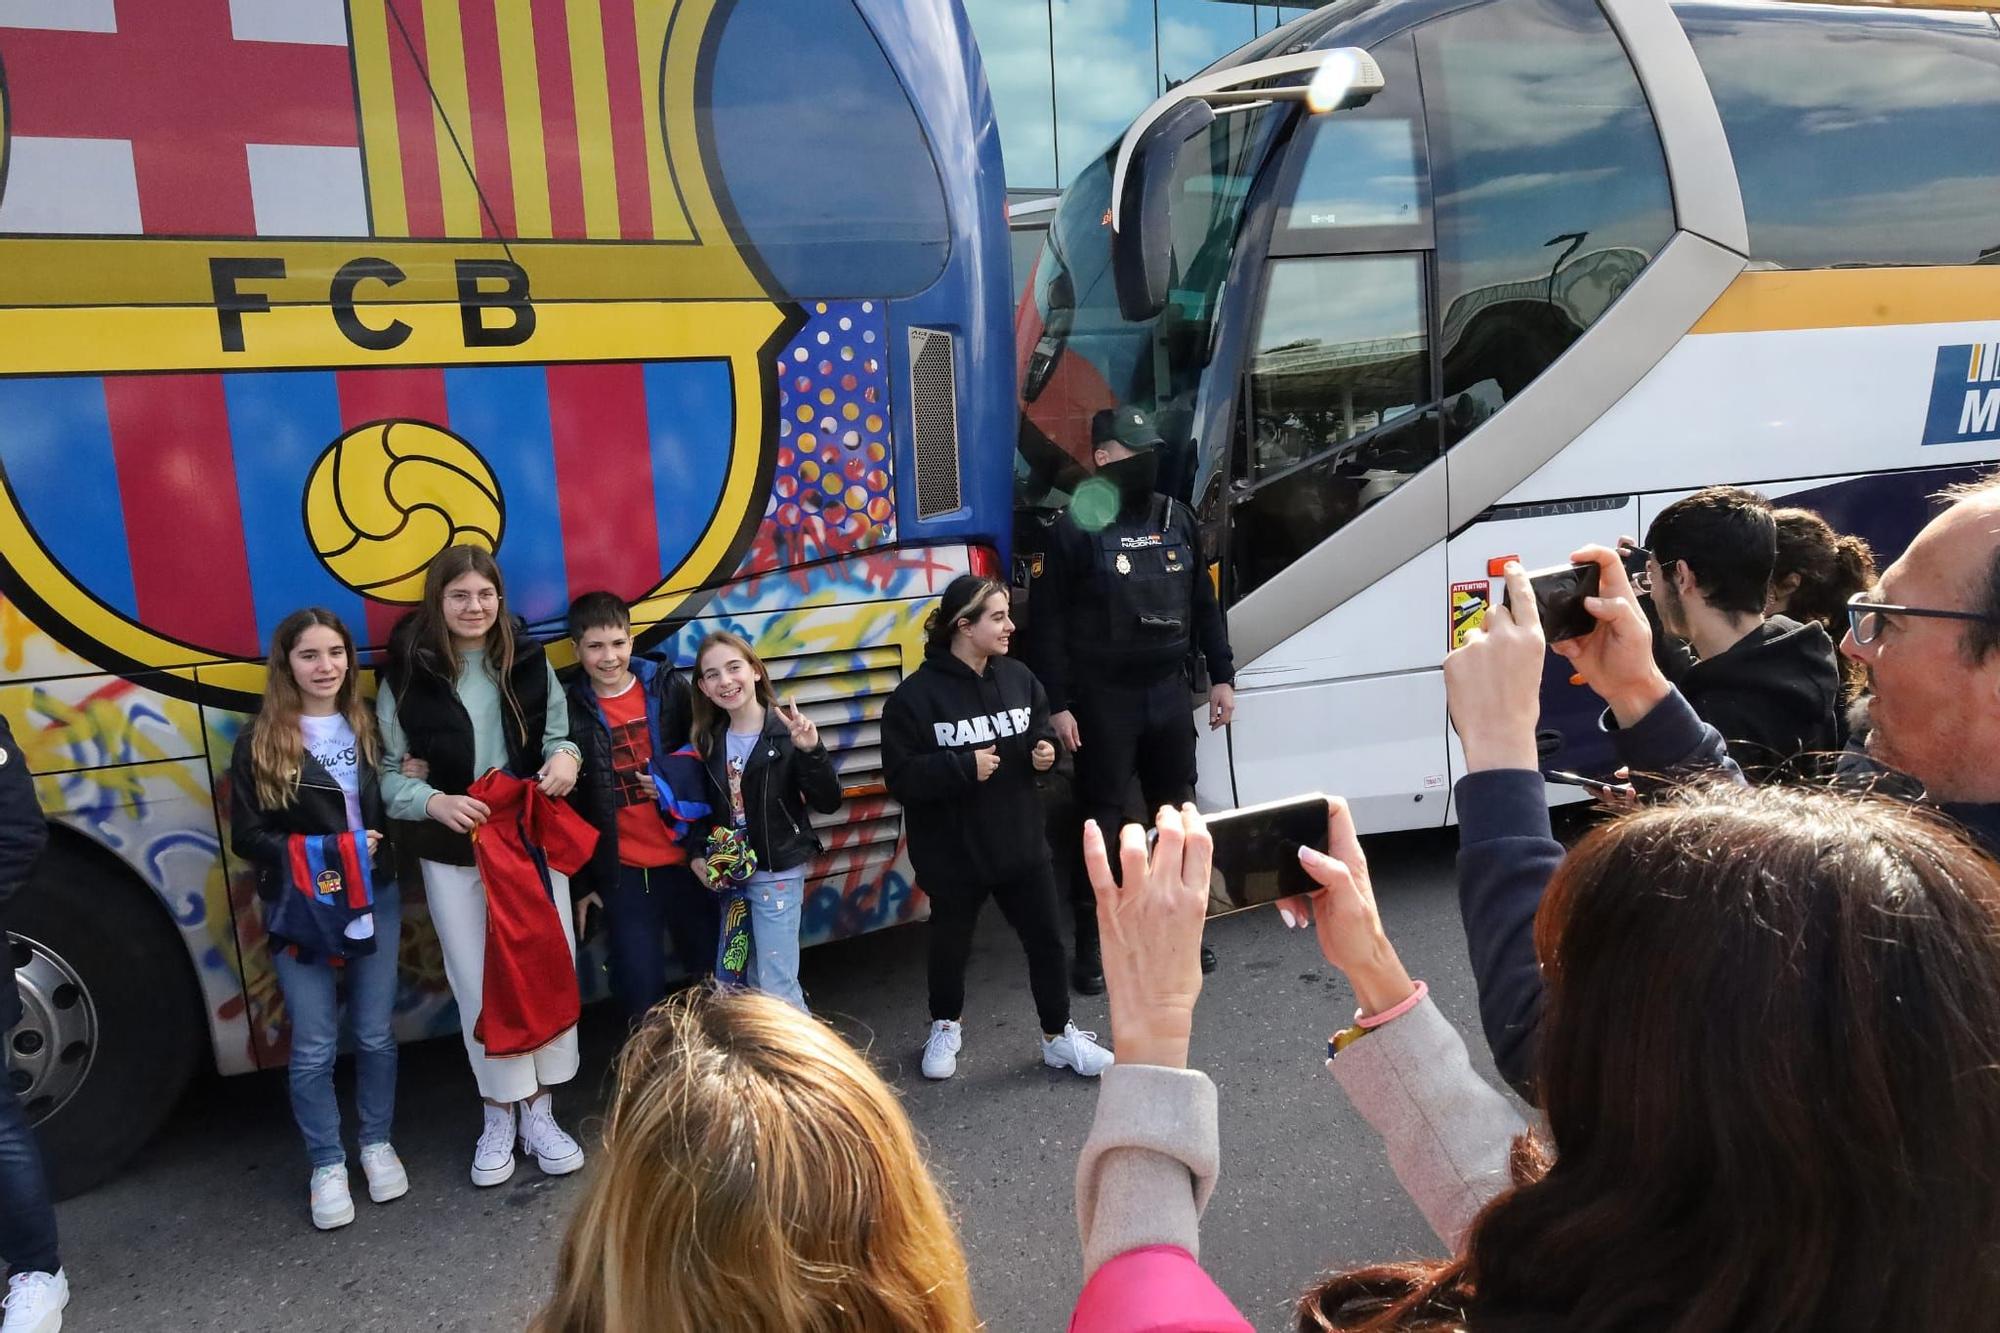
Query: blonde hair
[{"x": 757, "y": 1177}]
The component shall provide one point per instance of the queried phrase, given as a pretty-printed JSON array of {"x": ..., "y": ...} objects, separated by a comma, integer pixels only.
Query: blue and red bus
[{"x": 702, "y": 301}]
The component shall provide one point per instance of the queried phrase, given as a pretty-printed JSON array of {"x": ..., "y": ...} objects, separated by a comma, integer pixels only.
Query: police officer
[{"x": 1122, "y": 602}]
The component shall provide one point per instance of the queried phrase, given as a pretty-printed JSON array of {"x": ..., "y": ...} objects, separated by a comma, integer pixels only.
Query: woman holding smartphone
[
  {"x": 962, "y": 740},
  {"x": 467, "y": 691},
  {"x": 765, "y": 765},
  {"x": 305, "y": 766}
]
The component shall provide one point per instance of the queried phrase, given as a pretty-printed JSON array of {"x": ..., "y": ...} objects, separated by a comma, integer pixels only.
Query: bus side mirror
[
  {"x": 1142, "y": 177},
  {"x": 1142, "y": 249}
]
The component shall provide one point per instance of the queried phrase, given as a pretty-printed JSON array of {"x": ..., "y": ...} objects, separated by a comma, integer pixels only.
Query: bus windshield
[{"x": 1079, "y": 355}]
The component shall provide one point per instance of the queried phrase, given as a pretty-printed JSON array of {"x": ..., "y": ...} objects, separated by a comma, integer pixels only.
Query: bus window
[
  {"x": 1358, "y": 173},
  {"x": 1860, "y": 136},
  {"x": 1356, "y": 183},
  {"x": 1550, "y": 190},
  {"x": 1340, "y": 404}
]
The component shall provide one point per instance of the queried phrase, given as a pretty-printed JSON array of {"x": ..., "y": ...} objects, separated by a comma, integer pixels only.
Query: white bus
[{"x": 1571, "y": 261}]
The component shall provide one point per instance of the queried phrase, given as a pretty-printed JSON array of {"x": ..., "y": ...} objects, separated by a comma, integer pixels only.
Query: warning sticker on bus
[{"x": 1469, "y": 601}]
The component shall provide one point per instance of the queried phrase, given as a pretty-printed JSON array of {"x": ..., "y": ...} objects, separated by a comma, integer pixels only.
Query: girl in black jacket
[
  {"x": 962, "y": 739},
  {"x": 765, "y": 764},
  {"x": 306, "y": 765}
]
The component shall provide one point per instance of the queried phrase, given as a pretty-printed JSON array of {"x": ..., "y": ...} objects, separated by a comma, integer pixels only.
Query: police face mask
[{"x": 1135, "y": 477}]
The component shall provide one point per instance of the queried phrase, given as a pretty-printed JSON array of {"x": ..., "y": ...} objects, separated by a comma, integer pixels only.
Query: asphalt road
[{"x": 208, "y": 1228}]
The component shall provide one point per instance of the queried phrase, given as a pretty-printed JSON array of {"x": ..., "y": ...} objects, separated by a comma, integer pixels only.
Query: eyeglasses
[
  {"x": 461, "y": 599},
  {"x": 1866, "y": 619}
]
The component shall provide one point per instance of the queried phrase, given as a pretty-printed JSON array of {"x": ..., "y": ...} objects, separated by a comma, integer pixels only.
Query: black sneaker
[
  {"x": 1086, "y": 975},
  {"x": 1207, "y": 960}
]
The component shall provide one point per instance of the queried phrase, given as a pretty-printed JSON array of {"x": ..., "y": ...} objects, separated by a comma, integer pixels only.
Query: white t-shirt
[{"x": 331, "y": 741}]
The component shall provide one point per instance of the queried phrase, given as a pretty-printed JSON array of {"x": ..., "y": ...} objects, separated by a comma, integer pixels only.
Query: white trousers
[{"x": 458, "y": 911}]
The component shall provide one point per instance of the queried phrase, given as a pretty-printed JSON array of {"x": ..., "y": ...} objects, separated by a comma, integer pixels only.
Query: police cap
[{"x": 1129, "y": 426}]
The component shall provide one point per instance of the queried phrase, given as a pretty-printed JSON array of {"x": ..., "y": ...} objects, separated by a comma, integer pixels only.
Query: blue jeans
[
  {"x": 27, "y": 1217},
  {"x": 776, "y": 906},
  {"x": 645, "y": 909},
  {"x": 312, "y": 1001}
]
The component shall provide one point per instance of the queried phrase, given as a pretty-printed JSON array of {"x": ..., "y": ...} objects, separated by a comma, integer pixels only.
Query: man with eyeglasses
[{"x": 1929, "y": 634}]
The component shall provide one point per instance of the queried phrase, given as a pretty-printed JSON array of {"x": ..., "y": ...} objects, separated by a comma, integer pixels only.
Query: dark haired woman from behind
[
  {"x": 303, "y": 775},
  {"x": 1768, "y": 1053},
  {"x": 962, "y": 739},
  {"x": 1816, "y": 571},
  {"x": 467, "y": 691}
]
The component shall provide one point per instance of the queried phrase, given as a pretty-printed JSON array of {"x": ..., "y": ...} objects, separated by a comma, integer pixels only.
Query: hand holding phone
[
  {"x": 1257, "y": 850},
  {"x": 1559, "y": 594},
  {"x": 1341, "y": 910}
]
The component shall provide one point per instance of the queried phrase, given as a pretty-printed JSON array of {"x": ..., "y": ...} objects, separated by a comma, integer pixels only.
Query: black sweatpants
[
  {"x": 1127, "y": 731},
  {"x": 1028, "y": 901}
]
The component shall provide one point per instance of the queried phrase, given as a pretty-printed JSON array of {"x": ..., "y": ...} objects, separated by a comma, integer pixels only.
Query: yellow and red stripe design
[{"x": 554, "y": 107}]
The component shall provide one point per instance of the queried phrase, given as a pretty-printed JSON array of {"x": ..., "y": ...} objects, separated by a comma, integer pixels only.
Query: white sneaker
[
  {"x": 332, "y": 1205},
  {"x": 386, "y": 1178},
  {"x": 555, "y": 1152},
  {"x": 493, "y": 1159},
  {"x": 1077, "y": 1050},
  {"x": 35, "y": 1302},
  {"x": 941, "y": 1048}
]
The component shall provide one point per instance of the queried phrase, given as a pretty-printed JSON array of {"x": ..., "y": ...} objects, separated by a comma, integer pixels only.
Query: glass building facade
[{"x": 1069, "y": 75}]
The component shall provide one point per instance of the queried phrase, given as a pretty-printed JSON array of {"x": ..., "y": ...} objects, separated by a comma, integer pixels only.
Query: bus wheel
[{"x": 111, "y": 1017}]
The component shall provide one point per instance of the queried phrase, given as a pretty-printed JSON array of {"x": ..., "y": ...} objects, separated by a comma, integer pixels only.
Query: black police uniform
[{"x": 1118, "y": 612}]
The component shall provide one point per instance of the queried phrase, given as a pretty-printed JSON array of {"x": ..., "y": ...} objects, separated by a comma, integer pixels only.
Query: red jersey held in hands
[{"x": 531, "y": 994}]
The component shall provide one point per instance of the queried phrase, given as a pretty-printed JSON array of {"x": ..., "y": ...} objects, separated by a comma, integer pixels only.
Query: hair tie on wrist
[{"x": 1415, "y": 998}]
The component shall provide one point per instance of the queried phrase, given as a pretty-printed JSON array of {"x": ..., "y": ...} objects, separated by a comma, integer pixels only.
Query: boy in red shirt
[{"x": 628, "y": 713}]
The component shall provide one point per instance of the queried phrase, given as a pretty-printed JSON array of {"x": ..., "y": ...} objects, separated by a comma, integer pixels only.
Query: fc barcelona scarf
[
  {"x": 731, "y": 862},
  {"x": 326, "y": 909}
]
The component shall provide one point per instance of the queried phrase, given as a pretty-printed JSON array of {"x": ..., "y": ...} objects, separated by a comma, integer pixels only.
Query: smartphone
[
  {"x": 1559, "y": 595},
  {"x": 1257, "y": 851},
  {"x": 1595, "y": 786}
]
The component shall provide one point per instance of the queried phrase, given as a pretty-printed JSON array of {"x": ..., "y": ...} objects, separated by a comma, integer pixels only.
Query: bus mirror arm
[{"x": 1142, "y": 178}]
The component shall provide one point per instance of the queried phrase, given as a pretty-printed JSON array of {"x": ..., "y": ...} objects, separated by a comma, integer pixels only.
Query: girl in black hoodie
[{"x": 962, "y": 739}]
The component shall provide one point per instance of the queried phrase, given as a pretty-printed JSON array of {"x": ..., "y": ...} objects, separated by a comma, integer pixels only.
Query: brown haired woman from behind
[{"x": 758, "y": 1176}]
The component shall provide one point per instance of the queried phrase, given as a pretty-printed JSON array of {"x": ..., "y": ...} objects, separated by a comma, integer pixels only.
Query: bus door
[{"x": 1330, "y": 555}]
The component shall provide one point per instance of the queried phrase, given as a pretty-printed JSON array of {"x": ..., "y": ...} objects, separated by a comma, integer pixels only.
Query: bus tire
[{"x": 112, "y": 1024}]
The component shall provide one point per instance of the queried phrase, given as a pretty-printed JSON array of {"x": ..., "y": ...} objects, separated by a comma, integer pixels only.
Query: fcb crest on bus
[{"x": 296, "y": 296}]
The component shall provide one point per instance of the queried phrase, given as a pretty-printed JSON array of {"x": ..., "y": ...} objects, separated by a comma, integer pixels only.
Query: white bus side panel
[{"x": 1767, "y": 407}]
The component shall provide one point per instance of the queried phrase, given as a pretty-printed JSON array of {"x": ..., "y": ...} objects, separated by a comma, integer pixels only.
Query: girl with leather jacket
[
  {"x": 305, "y": 765},
  {"x": 765, "y": 765}
]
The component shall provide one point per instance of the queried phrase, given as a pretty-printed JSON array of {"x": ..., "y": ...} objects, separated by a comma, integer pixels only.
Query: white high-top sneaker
[
  {"x": 493, "y": 1159},
  {"x": 34, "y": 1303},
  {"x": 941, "y": 1048},
  {"x": 1078, "y": 1050},
  {"x": 555, "y": 1152}
]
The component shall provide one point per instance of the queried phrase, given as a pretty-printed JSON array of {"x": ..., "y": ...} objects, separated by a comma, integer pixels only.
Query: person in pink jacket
[{"x": 1769, "y": 1064}]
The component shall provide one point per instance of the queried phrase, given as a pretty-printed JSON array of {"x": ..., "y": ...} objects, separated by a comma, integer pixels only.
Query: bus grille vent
[
  {"x": 843, "y": 694},
  {"x": 934, "y": 422}
]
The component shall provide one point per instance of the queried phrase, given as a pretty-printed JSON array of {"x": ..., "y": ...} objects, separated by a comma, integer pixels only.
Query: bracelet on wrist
[{"x": 1362, "y": 1026}]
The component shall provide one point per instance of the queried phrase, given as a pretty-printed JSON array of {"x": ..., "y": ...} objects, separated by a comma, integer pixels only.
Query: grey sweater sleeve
[
  {"x": 1447, "y": 1131},
  {"x": 1149, "y": 1164}
]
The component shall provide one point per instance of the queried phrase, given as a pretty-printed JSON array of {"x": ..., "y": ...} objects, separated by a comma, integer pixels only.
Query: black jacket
[
  {"x": 440, "y": 731},
  {"x": 258, "y": 835},
  {"x": 1774, "y": 696},
  {"x": 962, "y": 830},
  {"x": 779, "y": 781},
  {"x": 669, "y": 707},
  {"x": 1098, "y": 592},
  {"x": 23, "y": 834}
]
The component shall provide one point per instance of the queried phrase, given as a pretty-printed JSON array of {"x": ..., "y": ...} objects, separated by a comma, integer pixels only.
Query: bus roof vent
[{"x": 934, "y": 422}]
